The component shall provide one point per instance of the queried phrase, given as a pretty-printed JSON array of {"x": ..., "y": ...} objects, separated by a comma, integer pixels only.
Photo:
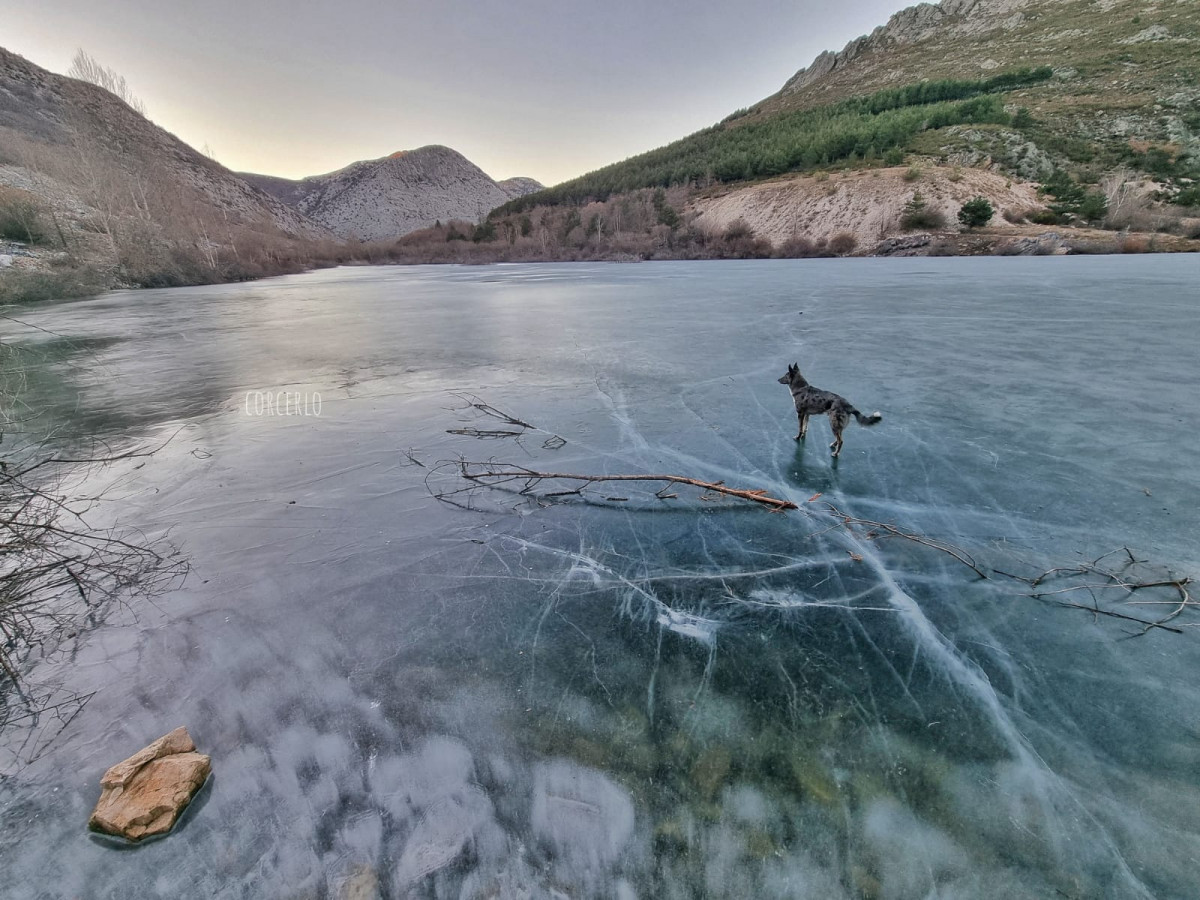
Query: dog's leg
[
  {"x": 803, "y": 429},
  {"x": 837, "y": 423}
]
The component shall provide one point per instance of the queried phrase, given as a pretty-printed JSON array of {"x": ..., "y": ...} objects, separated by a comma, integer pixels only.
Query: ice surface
[{"x": 644, "y": 697}]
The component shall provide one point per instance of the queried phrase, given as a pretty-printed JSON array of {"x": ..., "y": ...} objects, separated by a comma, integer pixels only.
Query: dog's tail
[{"x": 873, "y": 419}]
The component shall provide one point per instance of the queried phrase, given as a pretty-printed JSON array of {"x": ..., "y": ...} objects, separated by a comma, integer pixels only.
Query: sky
[{"x": 548, "y": 89}]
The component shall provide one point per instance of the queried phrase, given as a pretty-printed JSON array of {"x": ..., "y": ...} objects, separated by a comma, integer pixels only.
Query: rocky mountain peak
[
  {"x": 378, "y": 199},
  {"x": 958, "y": 18}
]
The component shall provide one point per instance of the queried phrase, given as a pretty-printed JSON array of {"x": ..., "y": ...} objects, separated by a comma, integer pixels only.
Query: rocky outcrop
[
  {"x": 1049, "y": 243},
  {"x": 520, "y": 186},
  {"x": 962, "y": 18},
  {"x": 908, "y": 245},
  {"x": 385, "y": 198},
  {"x": 144, "y": 795}
]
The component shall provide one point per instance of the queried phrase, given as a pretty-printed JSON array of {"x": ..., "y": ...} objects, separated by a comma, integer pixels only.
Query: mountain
[
  {"x": 397, "y": 194},
  {"x": 1126, "y": 72},
  {"x": 110, "y": 189},
  {"x": 519, "y": 186},
  {"x": 1079, "y": 112},
  {"x": 71, "y": 130}
]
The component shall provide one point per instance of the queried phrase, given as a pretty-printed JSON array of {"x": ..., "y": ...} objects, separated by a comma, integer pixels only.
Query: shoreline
[{"x": 1011, "y": 241}]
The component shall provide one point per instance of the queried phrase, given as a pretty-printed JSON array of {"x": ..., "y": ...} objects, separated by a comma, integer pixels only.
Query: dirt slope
[{"x": 868, "y": 204}]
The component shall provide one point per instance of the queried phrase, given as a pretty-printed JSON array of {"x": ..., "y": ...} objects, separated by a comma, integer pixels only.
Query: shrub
[
  {"x": 737, "y": 230},
  {"x": 574, "y": 220},
  {"x": 665, "y": 213},
  {"x": 821, "y": 249},
  {"x": 36, "y": 287},
  {"x": 1093, "y": 207},
  {"x": 913, "y": 173},
  {"x": 1188, "y": 196},
  {"x": 1066, "y": 193},
  {"x": 976, "y": 212},
  {"x": 1016, "y": 216},
  {"x": 1022, "y": 119},
  {"x": 796, "y": 248},
  {"x": 1045, "y": 217},
  {"x": 744, "y": 248},
  {"x": 843, "y": 243},
  {"x": 955, "y": 175},
  {"x": 484, "y": 232},
  {"x": 21, "y": 217},
  {"x": 917, "y": 215},
  {"x": 669, "y": 217},
  {"x": 894, "y": 156}
]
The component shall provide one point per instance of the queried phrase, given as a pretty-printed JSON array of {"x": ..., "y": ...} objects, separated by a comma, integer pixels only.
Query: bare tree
[
  {"x": 85, "y": 68},
  {"x": 1120, "y": 191}
]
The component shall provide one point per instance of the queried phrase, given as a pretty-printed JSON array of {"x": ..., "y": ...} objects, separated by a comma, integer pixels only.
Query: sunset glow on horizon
[{"x": 549, "y": 91}]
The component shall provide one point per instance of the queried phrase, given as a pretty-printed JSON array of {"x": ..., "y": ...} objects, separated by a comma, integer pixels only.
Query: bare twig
[{"x": 1116, "y": 615}]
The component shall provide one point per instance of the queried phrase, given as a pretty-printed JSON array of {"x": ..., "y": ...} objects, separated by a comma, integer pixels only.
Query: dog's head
[{"x": 793, "y": 373}]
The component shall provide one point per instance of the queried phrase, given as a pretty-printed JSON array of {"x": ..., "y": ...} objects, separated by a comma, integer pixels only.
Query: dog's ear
[{"x": 794, "y": 367}]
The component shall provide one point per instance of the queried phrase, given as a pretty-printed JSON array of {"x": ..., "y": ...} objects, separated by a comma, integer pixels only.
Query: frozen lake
[{"x": 639, "y": 697}]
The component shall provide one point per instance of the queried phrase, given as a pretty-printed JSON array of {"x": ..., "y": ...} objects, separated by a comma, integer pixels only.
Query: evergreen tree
[{"x": 976, "y": 213}]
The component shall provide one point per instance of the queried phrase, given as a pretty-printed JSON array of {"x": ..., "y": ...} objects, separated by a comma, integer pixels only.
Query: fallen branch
[
  {"x": 890, "y": 530},
  {"x": 1101, "y": 574},
  {"x": 496, "y": 474}
]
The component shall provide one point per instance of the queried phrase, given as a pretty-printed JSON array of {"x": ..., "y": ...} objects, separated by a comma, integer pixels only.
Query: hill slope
[
  {"x": 389, "y": 197},
  {"x": 1127, "y": 73},
  {"x": 1024, "y": 86},
  {"x": 90, "y": 165},
  {"x": 48, "y": 121}
]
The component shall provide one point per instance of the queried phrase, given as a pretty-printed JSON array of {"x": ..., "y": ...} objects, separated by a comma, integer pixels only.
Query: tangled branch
[
  {"x": 1100, "y": 581},
  {"x": 55, "y": 567},
  {"x": 514, "y": 427}
]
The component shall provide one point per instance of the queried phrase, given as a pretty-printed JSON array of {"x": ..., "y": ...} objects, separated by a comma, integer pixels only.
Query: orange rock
[{"x": 144, "y": 795}]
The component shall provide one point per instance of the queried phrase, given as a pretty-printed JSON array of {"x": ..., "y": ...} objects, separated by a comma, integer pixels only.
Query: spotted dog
[{"x": 811, "y": 401}]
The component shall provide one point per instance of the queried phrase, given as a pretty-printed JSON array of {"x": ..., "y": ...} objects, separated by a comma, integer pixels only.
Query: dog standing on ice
[{"x": 811, "y": 401}]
